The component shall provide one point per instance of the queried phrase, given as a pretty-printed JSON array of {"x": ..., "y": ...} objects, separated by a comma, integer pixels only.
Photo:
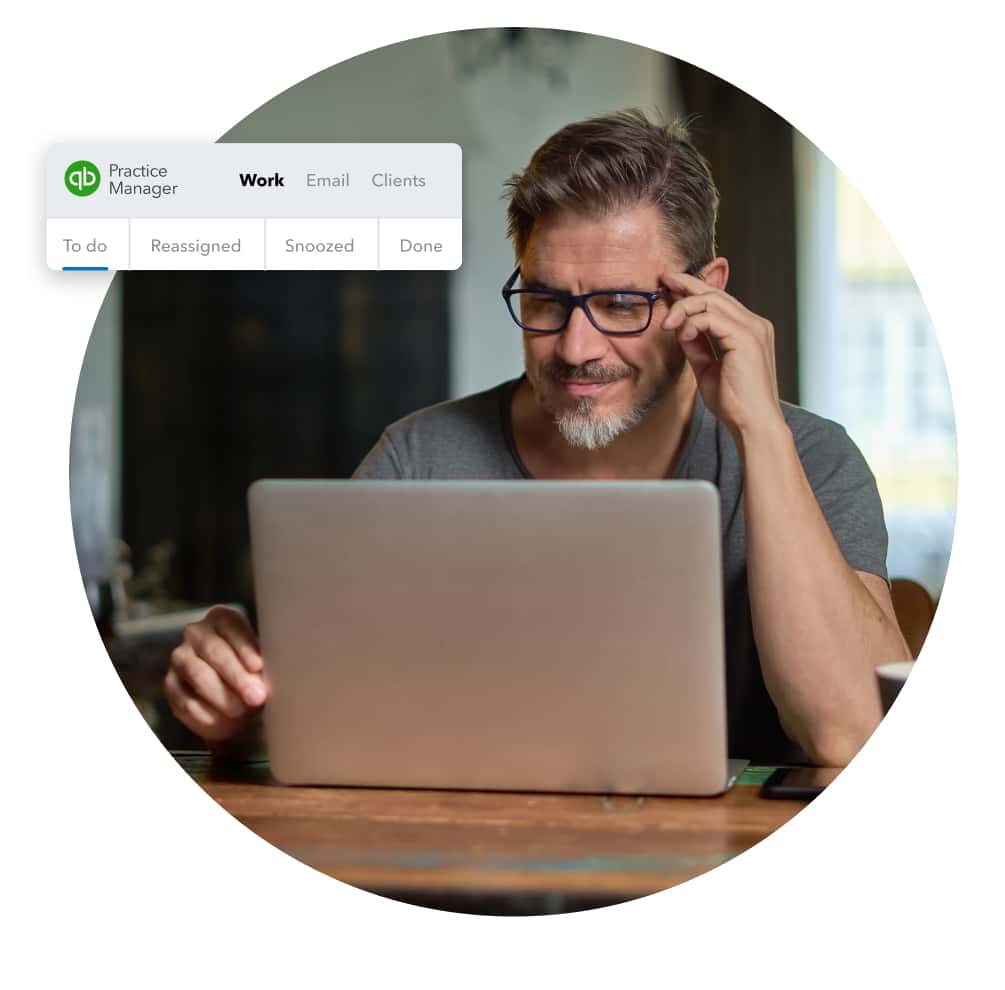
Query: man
[{"x": 640, "y": 365}]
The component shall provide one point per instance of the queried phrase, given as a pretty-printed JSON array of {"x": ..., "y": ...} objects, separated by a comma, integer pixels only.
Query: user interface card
[{"x": 253, "y": 206}]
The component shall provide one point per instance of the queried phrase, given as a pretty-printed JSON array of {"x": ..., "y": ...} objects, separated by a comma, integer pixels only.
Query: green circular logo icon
[{"x": 82, "y": 178}]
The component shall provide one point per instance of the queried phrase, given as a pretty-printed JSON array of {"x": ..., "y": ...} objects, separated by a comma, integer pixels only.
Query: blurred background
[{"x": 194, "y": 384}]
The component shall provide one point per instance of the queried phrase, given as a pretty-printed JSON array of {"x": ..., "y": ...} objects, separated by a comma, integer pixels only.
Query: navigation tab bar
[{"x": 254, "y": 244}]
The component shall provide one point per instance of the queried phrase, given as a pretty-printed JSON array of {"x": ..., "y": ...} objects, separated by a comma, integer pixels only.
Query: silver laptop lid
[{"x": 493, "y": 635}]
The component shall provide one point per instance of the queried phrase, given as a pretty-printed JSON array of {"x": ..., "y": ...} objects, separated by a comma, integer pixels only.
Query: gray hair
[{"x": 616, "y": 161}]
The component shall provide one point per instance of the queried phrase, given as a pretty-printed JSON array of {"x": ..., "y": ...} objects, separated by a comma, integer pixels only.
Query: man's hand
[
  {"x": 730, "y": 350},
  {"x": 216, "y": 681}
]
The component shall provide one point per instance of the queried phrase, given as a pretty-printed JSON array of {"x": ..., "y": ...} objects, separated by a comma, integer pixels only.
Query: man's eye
[{"x": 621, "y": 302}]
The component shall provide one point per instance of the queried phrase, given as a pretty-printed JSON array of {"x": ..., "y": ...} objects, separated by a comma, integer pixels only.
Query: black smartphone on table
[{"x": 798, "y": 783}]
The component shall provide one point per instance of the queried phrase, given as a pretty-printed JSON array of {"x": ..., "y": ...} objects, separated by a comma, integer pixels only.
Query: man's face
[{"x": 595, "y": 386}]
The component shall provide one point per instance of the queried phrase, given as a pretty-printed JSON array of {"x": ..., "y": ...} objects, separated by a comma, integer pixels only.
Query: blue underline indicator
[{"x": 85, "y": 268}]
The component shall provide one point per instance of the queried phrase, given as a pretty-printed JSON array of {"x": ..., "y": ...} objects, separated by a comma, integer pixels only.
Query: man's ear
[{"x": 715, "y": 273}]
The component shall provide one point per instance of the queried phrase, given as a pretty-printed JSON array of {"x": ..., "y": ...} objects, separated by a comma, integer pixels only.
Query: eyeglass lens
[{"x": 619, "y": 312}]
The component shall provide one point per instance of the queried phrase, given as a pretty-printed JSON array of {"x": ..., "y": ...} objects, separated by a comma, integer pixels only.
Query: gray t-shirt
[{"x": 472, "y": 438}]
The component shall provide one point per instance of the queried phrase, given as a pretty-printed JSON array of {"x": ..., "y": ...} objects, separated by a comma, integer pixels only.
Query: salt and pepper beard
[{"x": 579, "y": 427}]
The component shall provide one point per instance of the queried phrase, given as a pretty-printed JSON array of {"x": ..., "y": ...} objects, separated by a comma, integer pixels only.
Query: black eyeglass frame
[{"x": 573, "y": 301}]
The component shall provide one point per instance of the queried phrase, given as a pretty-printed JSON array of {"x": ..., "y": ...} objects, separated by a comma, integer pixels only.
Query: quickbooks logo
[{"x": 82, "y": 178}]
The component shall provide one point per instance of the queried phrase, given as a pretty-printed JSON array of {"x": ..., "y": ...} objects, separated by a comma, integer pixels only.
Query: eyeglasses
[{"x": 614, "y": 312}]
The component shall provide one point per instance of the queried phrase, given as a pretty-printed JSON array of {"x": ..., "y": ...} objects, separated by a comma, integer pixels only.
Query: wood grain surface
[{"x": 472, "y": 848}]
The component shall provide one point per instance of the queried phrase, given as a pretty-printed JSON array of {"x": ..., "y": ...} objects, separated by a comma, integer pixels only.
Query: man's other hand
[
  {"x": 216, "y": 681},
  {"x": 730, "y": 349}
]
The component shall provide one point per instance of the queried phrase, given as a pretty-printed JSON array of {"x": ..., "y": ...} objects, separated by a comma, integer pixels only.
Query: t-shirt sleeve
[
  {"x": 382, "y": 463},
  {"x": 847, "y": 494}
]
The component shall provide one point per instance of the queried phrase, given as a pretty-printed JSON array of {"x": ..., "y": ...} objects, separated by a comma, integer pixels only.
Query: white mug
[{"x": 891, "y": 677}]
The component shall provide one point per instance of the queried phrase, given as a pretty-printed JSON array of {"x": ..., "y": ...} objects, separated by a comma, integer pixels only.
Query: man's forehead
[
  {"x": 590, "y": 273},
  {"x": 626, "y": 241}
]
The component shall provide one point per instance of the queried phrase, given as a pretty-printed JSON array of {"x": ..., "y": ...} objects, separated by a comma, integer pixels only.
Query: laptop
[{"x": 527, "y": 636}]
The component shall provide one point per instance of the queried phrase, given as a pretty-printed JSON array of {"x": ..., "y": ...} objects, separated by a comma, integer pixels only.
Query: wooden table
[{"x": 496, "y": 853}]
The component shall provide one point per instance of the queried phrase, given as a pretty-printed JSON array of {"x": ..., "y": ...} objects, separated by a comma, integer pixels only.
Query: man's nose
[{"x": 580, "y": 341}]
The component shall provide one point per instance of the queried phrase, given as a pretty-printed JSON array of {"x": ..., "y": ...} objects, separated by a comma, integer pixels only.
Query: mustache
[{"x": 593, "y": 372}]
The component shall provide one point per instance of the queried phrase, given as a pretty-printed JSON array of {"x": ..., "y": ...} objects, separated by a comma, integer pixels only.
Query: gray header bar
[{"x": 225, "y": 181}]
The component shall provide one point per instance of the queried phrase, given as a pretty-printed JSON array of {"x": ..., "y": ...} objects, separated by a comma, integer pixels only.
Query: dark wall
[
  {"x": 750, "y": 151},
  {"x": 234, "y": 376}
]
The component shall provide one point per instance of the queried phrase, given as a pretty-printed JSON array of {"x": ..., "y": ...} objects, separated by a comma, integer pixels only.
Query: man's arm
[{"x": 821, "y": 627}]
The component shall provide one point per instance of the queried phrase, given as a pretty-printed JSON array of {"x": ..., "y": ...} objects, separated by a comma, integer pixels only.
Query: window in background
[{"x": 869, "y": 358}]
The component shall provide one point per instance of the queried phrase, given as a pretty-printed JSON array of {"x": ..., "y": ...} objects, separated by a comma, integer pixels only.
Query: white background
[{"x": 117, "y": 871}]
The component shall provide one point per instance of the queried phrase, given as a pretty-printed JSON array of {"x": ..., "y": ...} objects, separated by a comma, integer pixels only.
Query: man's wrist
[{"x": 768, "y": 436}]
